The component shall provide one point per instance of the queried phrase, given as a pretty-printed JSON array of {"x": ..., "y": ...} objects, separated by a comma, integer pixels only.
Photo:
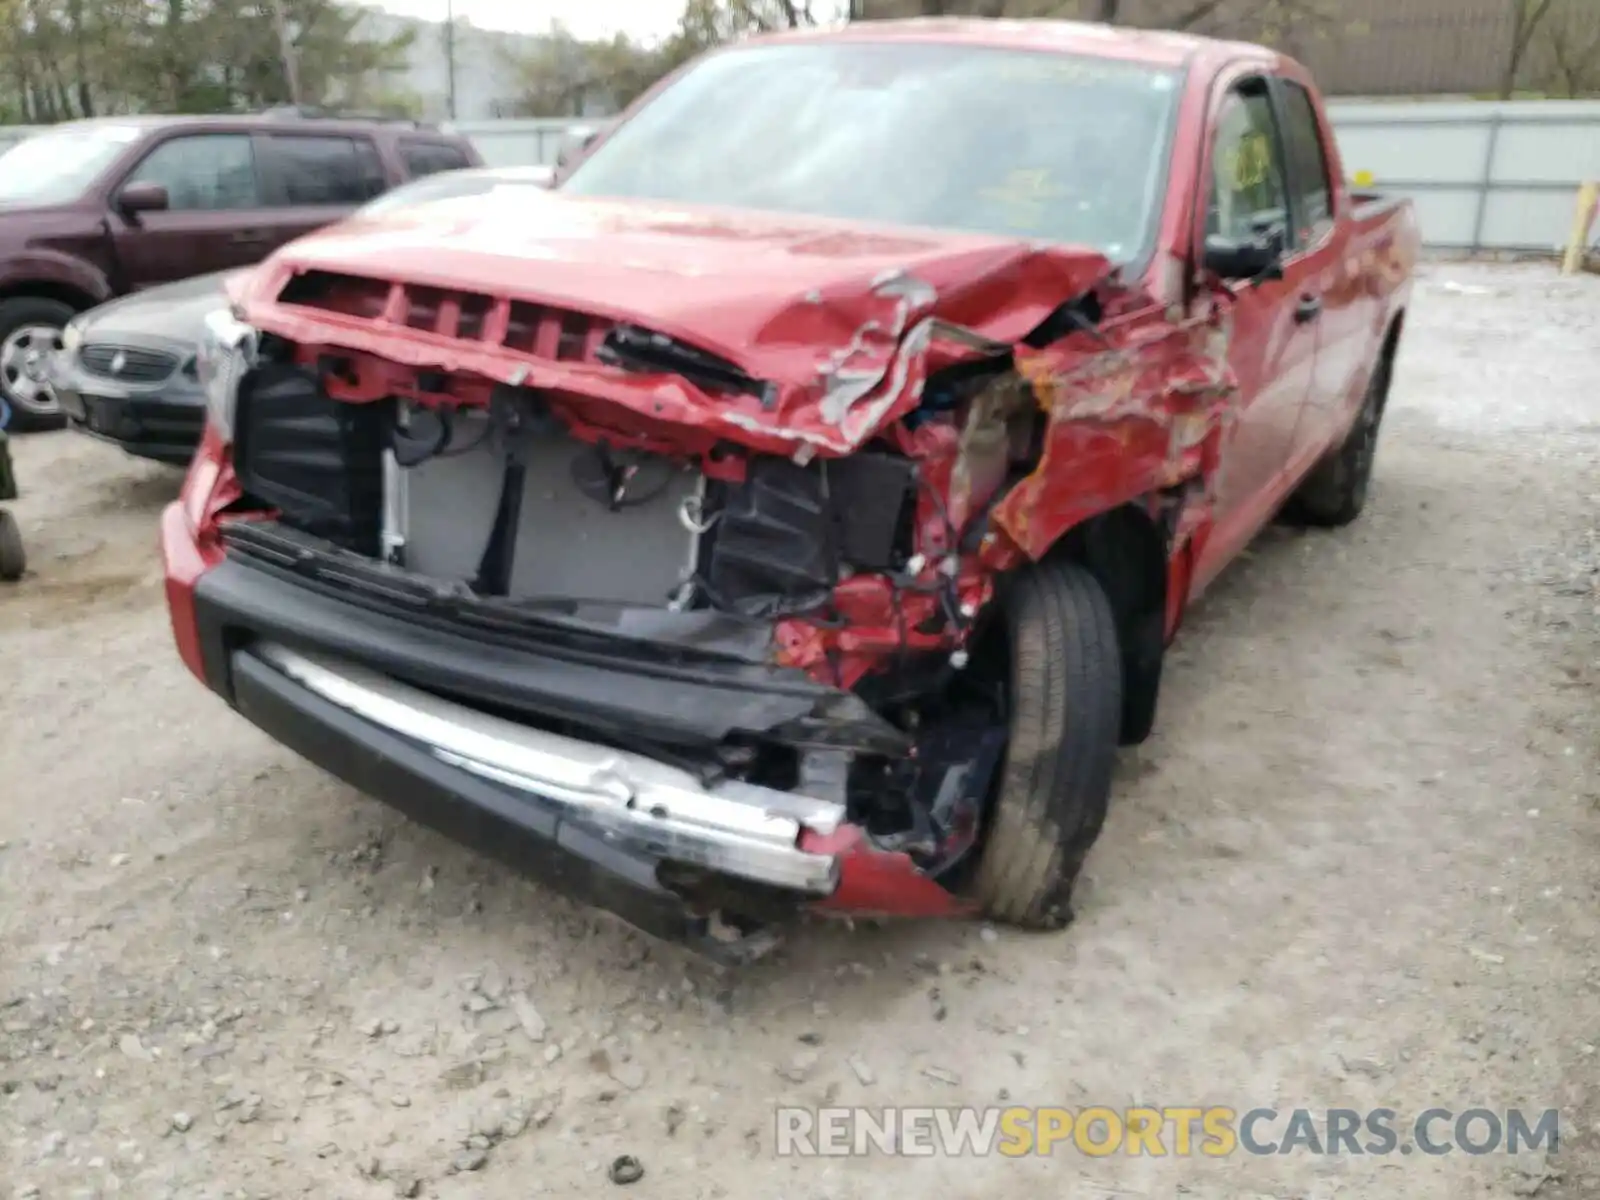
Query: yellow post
[{"x": 1582, "y": 223}]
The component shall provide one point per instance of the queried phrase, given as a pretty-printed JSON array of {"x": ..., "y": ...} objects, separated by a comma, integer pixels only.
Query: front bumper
[
  {"x": 739, "y": 829},
  {"x": 159, "y": 421},
  {"x": 506, "y": 821},
  {"x": 596, "y": 823}
]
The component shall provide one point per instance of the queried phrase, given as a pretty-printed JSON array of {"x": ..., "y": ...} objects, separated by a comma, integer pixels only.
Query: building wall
[
  {"x": 1356, "y": 47},
  {"x": 486, "y": 82}
]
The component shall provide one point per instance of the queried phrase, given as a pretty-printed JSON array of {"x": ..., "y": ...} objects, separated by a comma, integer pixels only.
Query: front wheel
[
  {"x": 1065, "y": 702},
  {"x": 30, "y": 332}
]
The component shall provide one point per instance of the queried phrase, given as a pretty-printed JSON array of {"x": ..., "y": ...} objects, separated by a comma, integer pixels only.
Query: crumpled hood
[{"x": 829, "y": 312}]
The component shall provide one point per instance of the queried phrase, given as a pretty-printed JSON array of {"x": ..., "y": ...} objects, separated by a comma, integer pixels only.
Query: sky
[
  {"x": 585, "y": 18},
  {"x": 640, "y": 19}
]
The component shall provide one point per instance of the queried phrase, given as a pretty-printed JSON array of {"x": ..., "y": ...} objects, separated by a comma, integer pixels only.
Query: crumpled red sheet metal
[{"x": 1132, "y": 407}]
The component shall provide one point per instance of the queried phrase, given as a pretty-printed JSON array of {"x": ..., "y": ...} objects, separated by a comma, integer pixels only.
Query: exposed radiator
[{"x": 571, "y": 543}]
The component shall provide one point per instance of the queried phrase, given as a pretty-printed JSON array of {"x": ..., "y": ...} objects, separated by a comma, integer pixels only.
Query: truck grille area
[
  {"x": 591, "y": 524},
  {"x": 535, "y": 330},
  {"x": 317, "y": 461}
]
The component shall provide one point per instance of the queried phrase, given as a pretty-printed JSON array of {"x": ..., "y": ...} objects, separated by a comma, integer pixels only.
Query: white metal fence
[
  {"x": 1484, "y": 176},
  {"x": 517, "y": 143}
]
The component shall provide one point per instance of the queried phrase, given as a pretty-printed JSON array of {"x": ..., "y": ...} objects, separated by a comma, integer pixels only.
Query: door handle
[{"x": 1309, "y": 309}]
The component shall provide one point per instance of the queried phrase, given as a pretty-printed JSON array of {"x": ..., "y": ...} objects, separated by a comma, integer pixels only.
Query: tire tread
[{"x": 1066, "y": 716}]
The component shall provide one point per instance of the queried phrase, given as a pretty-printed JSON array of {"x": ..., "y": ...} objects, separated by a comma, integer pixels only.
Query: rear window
[
  {"x": 429, "y": 158},
  {"x": 1025, "y": 144},
  {"x": 317, "y": 170}
]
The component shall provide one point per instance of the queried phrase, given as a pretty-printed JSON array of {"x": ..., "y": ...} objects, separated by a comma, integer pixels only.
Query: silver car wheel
[{"x": 25, "y": 369}]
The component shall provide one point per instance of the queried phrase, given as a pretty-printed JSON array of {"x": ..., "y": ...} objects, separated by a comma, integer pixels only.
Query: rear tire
[
  {"x": 1336, "y": 490},
  {"x": 13, "y": 559},
  {"x": 1065, "y": 716}
]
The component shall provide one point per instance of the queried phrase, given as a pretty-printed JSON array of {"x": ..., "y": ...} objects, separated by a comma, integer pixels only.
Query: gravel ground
[{"x": 1357, "y": 866}]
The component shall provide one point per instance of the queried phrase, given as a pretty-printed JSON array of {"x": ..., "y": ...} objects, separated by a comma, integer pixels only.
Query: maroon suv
[{"x": 91, "y": 210}]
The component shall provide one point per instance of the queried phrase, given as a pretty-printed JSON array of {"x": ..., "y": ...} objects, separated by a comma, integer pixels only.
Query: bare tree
[
  {"x": 1526, "y": 18},
  {"x": 286, "y": 51},
  {"x": 1154, "y": 13},
  {"x": 1566, "y": 53}
]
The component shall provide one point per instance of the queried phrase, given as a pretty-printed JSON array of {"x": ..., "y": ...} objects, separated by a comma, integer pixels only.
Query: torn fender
[
  {"x": 1139, "y": 408},
  {"x": 1143, "y": 412}
]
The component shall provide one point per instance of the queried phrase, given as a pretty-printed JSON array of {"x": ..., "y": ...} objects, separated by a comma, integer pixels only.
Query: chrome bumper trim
[{"x": 744, "y": 830}]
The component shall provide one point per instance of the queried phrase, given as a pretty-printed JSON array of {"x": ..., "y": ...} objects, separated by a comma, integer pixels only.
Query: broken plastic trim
[
  {"x": 735, "y": 828},
  {"x": 635, "y": 349},
  {"x": 695, "y": 647}
]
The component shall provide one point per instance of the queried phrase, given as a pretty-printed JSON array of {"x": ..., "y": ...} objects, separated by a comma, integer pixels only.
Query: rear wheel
[
  {"x": 30, "y": 332},
  {"x": 1336, "y": 490},
  {"x": 13, "y": 559},
  {"x": 1065, "y": 698}
]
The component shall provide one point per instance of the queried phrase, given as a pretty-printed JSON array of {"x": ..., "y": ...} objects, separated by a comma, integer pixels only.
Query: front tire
[
  {"x": 30, "y": 331},
  {"x": 1065, "y": 716}
]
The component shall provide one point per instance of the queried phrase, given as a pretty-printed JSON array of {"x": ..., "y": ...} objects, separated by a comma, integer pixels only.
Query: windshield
[
  {"x": 443, "y": 185},
  {"x": 58, "y": 166},
  {"x": 1028, "y": 144}
]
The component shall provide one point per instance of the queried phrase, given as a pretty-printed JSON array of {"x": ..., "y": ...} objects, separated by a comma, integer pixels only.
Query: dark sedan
[
  {"x": 126, "y": 369},
  {"x": 125, "y": 372}
]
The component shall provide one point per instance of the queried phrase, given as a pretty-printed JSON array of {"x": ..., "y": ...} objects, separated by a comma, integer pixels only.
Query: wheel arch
[
  {"x": 69, "y": 294},
  {"x": 1388, "y": 352}
]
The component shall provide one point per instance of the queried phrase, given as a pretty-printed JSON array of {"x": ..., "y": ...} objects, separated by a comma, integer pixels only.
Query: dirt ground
[{"x": 1356, "y": 867}]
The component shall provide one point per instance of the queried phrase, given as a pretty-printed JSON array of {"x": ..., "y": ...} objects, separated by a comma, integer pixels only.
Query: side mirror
[
  {"x": 143, "y": 197},
  {"x": 1253, "y": 260}
]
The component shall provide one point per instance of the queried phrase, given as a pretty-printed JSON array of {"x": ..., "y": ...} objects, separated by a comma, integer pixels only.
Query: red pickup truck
[{"x": 791, "y": 508}]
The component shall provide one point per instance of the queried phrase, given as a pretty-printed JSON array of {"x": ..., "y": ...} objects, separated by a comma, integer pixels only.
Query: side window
[
  {"x": 1248, "y": 192},
  {"x": 372, "y": 170},
  {"x": 429, "y": 158},
  {"x": 1308, "y": 162},
  {"x": 317, "y": 170},
  {"x": 203, "y": 172}
]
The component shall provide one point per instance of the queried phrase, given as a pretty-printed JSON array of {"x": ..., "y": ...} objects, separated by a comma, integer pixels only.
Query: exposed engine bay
[
  {"x": 504, "y": 505},
  {"x": 830, "y": 552},
  {"x": 507, "y": 500}
]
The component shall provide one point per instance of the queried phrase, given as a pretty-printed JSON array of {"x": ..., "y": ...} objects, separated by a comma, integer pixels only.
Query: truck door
[
  {"x": 1274, "y": 340},
  {"x": 1346, "y": 327}
]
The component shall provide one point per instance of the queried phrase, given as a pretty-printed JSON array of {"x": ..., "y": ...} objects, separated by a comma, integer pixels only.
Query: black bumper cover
[
  {"x": 235, "y": 604},
  {"x": 159, "y": 429},
  {"x": 512, "y": 827}
]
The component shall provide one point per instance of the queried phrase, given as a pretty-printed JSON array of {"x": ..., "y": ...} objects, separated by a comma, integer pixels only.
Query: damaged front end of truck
[{"x": 727, "y": 588}]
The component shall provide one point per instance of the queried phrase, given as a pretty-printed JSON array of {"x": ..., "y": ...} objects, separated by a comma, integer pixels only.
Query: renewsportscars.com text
[{"x": 1178, "y": 1131}]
